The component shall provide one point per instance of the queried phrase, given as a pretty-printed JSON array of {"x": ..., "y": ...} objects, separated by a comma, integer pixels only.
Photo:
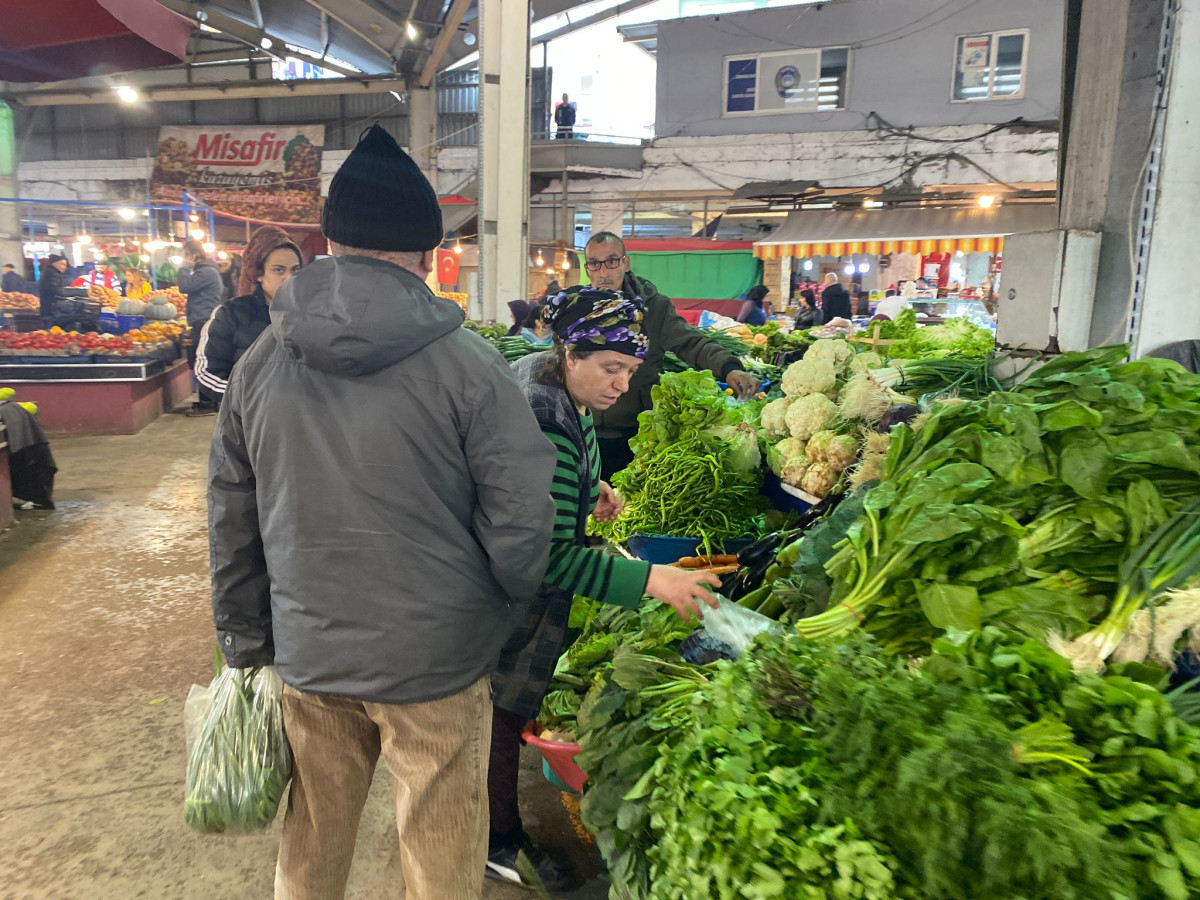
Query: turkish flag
[{"x": 447, "y": 267}]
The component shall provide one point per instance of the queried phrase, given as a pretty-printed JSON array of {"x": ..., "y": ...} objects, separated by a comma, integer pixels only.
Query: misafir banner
[{"x": 260, "y": 173}]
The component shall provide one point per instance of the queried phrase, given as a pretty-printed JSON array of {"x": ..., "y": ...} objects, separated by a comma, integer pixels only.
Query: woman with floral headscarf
[{"x": 598, "y": 344}]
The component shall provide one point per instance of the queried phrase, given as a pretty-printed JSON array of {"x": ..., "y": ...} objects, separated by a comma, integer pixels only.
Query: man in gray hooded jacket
[{"x": 379, "y": 496}]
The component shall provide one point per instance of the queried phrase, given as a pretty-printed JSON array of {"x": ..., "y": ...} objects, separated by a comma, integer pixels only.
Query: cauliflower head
[
  {"x": 808, "y": 415},
  {"x": 818, "y": 446},
  {"x": 773, "y": 418},
  {"x": 819, "y": 479},
  {"x": 862, "y": 362},
  {"x": 842, "y": 452},
  {"x": 793, "y": 473},
  {"x": 835, "y": 350},
  {"x": 810, "y": 376}
]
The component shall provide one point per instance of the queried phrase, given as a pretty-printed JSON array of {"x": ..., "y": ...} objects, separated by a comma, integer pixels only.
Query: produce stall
[{"x": 960, "y": 674}]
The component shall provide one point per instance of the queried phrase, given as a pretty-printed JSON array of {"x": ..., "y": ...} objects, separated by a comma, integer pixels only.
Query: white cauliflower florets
[
  {"x": 818, "y": 446},
  {"x": 794, "y": 471},
  {"x": 808, "y": 415},
  {"x": 810, "y": 376},
  {"x": 836, "y": 350},
  {"x": 774, "y": 421},
  {"x": 819, "y": 479},
  {"x": 864, "y": 361}
]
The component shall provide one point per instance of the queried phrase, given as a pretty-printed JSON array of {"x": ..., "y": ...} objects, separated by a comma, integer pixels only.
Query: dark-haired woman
[
  {"x": 809, "y": 316},
  {"x": 598, "y": 345},
  {"x": 753, "y": 312},
  {"x": 270, "y": 259}
]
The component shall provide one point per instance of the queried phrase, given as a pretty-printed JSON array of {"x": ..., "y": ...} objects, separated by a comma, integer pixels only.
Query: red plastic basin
[{"x": 560, "y": 755}]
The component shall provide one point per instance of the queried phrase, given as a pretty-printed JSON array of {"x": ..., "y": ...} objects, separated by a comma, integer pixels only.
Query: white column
[
  {"x": 422, "y": 131},
  {"x": 504, "y": 154},
  {"x": 1170, "y": 311}
]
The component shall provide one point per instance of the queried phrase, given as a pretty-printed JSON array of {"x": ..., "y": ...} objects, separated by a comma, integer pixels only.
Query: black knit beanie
[{"x": 379, "y": 200}]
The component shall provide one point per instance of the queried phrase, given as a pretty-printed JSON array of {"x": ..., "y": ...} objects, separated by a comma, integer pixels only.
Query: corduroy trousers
[{"x": 437, "y": 753}]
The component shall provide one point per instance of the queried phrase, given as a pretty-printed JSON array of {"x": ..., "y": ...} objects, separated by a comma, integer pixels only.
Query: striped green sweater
[{"x": 581, "y": 570}]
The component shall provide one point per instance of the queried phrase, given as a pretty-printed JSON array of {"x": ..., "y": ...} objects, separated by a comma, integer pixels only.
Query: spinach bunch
[
  {"x": 1019, "y": 509},
  {"x": 597, "y": 632}
]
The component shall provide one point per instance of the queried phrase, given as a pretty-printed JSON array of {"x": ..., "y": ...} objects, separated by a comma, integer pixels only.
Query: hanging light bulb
[
  {"x": 83, "y": 238},
  {"x": 540, "y": 261},
  {"x": 457, "y": 247}
]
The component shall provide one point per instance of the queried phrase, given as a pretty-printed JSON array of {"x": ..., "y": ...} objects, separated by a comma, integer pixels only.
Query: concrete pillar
[
  {"x": 1137, "y": 64},
  {"x": 608, "y": 217},
  {"x": 504, "y": 153},
  {"x": 10, "y": 213},
  {"x": 422, "y": 131},
  {"x": 1169, "y": 311}
]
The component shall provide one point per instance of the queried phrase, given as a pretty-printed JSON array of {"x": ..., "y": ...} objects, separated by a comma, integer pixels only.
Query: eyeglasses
[{"x": 595, "y": 265}]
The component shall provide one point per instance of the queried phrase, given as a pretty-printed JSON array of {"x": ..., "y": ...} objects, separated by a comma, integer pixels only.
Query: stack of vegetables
[
  {"x": 840, "y": 403},
  {"x": 696, "y": 470},
  {"x": 1010, "y": 543},
  {"x": 1028, "y": 509},
  {"x": 835, "y": 770}
]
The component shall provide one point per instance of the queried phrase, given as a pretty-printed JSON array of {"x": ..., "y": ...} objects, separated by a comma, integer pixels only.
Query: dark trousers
[
  {"x": 503, "y": 770},
  {"x": 206, "y": 397},
  {"x": 615, "y": 455},
  {"x": 565, "y": 132}
]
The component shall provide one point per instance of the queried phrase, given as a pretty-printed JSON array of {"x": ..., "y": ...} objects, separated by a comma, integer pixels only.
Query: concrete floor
[{"x": 104, "y": 612}]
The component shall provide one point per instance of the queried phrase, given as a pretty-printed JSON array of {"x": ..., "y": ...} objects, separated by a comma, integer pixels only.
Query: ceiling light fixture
[
  {"x": 126, "y": 94},
  {"x": 411, "y": 31},
  {"x": 987, "y": 201},
  {"x": 126, "y": 214}
]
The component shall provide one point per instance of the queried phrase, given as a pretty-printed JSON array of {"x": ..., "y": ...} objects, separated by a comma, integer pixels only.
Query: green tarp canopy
[{"x": 701, "y": 275}]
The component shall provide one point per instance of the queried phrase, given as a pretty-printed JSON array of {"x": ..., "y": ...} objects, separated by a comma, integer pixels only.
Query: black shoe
[
  {"x": 201, "y": 409},
  {"x": 522, "y": 862}
]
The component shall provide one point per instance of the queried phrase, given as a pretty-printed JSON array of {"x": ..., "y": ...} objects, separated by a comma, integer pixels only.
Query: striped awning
[
  {"x": 815, "y": 233},
  {"x": 925, "y": 247}
]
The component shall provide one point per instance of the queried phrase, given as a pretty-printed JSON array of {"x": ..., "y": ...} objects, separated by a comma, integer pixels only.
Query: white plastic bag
[
  {"x": 239, "y": 762},
  {"x": 735, "y": 625}
]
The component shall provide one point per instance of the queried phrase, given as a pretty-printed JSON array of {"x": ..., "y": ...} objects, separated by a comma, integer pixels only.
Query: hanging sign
[
  {"x": 974, "y": 55},
  {"x": 261, "y": 173}
]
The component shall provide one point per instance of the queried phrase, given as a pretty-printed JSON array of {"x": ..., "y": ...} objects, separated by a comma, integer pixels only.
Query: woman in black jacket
[
  {"x": 270, "y": 259},
  {"x": 809, "y": 316}
]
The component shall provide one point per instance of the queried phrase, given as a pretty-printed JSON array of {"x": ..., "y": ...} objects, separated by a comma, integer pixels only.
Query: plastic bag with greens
[{"x": 239, "y": 762}]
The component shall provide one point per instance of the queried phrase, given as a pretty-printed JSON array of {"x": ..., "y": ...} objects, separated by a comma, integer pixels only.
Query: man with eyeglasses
[{"x": 608, "y": 269}]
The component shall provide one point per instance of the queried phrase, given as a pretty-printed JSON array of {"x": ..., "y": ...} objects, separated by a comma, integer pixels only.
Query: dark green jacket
[{"x": 667, "y": 330}]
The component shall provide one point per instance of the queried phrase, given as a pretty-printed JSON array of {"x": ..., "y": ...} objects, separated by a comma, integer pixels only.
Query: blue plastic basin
[{"x": 655, "y": 548}]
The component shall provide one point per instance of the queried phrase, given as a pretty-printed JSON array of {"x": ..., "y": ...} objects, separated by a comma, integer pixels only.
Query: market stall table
[{"x": 117, "y": 397}]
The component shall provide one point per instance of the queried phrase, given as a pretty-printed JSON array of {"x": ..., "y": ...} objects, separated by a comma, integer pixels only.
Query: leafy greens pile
[
  {"x": 1025, "y": 508},
  {"x": 696, "y": 469},
  {"x": 832, "y": 770}
]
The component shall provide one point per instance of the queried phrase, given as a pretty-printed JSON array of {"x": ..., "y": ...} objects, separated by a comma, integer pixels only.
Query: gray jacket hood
[{"x": 354, "y": 315}]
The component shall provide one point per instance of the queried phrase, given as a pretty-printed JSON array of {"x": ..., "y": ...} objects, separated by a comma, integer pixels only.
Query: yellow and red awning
[{"x": 815, "y": 233}]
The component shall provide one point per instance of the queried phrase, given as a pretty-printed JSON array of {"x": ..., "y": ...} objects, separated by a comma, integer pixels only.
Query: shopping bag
[{"x": 239, "y": 762}]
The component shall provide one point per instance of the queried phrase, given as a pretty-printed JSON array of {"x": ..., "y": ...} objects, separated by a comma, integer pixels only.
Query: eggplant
[{"x": 901, "y": 414}]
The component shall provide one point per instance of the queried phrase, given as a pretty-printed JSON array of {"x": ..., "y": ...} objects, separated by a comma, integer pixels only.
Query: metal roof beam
[
  {"x": 248, "y": 34},
  {"x": 231, "y": 90},
  {"x": 454, "y": 18}
]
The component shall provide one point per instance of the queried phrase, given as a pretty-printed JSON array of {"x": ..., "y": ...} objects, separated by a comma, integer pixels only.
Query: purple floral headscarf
[{"x": 587, "y": 318}]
